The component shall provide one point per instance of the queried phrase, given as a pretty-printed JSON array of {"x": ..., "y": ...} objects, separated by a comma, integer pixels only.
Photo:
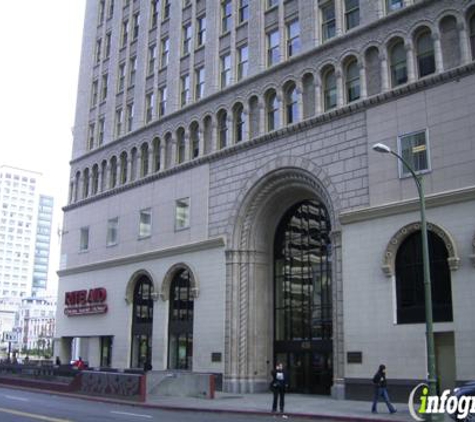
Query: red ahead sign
[{"x": 84, "y": 302}]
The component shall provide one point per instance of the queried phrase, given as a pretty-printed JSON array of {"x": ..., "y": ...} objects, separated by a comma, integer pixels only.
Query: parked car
[{"x": 465, "y": 390}]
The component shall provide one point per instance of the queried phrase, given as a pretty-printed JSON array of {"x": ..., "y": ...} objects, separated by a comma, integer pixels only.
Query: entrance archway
[
  {"x": 303, "y": 297},
  {"x": 265, "y": 198}
]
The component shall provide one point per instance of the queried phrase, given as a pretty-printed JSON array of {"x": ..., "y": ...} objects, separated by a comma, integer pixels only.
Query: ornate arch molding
[
  {"x": 129, "y": 289},
  {"x": 277, "y": 174},
  {"x": 170, "y": 275},
  {"x": 389, "y": 260}
]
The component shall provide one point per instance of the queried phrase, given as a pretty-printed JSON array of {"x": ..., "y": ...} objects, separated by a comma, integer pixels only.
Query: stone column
[
  {"x": 439, "y": 62},
  {"x": 299, "y": 90},
  {"x": 201, "y": 138},
  {"x": 187, "y": 147},
  {"x": 384, "y": 72},
  {"x": 261, "y": 109},
  {"x": 339, "y": 21},
  {"x": 72, "y": 192},
  {"x": 214, "y": 134},
  {"x": 411, "y": 71},
  {"x": 464, "y": 43},
  {"x": 173, "y": 160},
  {"x": 130, "y": 170},
  {"x": 163, "y": 156},
  {"x": 245, "y": 129},
  {"x": 339, "y": 87},
  {"x": 363, "y": 88}
]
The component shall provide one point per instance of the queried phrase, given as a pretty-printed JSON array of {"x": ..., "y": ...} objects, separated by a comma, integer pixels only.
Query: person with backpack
[{"x": 380, "y": 390}]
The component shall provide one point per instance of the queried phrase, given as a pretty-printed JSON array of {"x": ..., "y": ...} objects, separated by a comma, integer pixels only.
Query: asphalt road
[{"x": 27, "y": 406}]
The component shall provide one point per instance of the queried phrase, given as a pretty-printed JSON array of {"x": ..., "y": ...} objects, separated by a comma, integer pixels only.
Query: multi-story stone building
[{"x": 227, "y": 210}]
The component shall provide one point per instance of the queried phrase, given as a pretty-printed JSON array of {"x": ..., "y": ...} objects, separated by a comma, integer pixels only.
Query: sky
[{"x": 40, "y": 46}]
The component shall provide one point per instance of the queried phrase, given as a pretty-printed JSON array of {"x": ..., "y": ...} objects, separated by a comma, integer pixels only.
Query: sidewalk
[{"x": 295, "y": 405}]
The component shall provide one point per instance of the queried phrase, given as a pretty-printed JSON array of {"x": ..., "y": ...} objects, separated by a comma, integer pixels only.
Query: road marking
[
  {"x": 32, "y": 416},
  {"x": 16, "y": 398},
  {"x": 137, "y": 415}
]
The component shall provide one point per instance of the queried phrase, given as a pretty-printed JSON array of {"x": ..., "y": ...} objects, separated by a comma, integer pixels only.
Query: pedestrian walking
[
  {"x": 278, "y": 386},
  {"x": 381, "y": 390}
]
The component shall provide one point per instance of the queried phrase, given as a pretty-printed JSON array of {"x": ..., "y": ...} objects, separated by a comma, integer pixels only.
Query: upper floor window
[
  {"x": 329, "y": 90},
  {"x": 185, "y": 89},
  {"x": 472, "y": 34},
  {"x": 186, "y": 39},
  {"x": 182, "y": 213},
  {"x": 94, "y": 93},
  {"x": 328, "y": 20},
  {"x": 200, "y": 31},
  {"x": 398, "y": 64},
  {"x": 223, "y": 129},
  {"x": 125, "y": 33},
  {"x": 152, "y": 56},
  {"x": 145, "y": 223},
  {"x": 136, "y": 26},
  {"x": 195, "y": 140},
  {"x": 225, "y": 70},
  {"x": 272, "y": 109},
  {"x": 239, "y": 122},
  {"x": 425, "y": 54},
  {"x": 352, "y": 81},
  {"x": 181, "y": 148},
  {"x": 414, "y": 149},
  {"x": 165, "y": 47},
  {"x": 111, "y": 9},
  {"x": 92, "y": 134},
  {"x": 392, "y": 5},
  {"x": 226, "y": 15},
  {"x": 119, "y": 120},
  {"x": 352, "y": 14},
  {"x": 272, "y": 3},
  {"x": 199, "y": 83},
  {"x": 102, "y": 8},
  {"x": 97, "y": 53},
  {"x": 132, "y": 70},
  {"x": 291, "y": 104},
  {"x": 293, "y": 38},
  {"x": 154, "y": 13},
  {"x": 130, "y": 116},
  {"x": 100, "y": 131},
  {"x": 273, "y": 54},
  {"x": 121, "y": 78},
  {"x": 243, "y": 61},
  {"x": 84, "y": 239},
  {"x": 112, "y": 231},
  {"x": 149, "y": 106},
  {"x": 243, "y": 10},
  {"x": 107, "y": 47},
  {"x": 105, "y": 78},
  {"x": 162, "y": 106},
  {"x": 166, "y": 9}
]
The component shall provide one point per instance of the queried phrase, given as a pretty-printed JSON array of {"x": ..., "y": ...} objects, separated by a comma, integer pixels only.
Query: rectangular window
[
  {"x": 226, "y": 16},
  {"x": 149, "y": 107},
  {"x": 392, "y": 5},
  {"x": 243, "y": 10},
  {"x": 182, "y": 214},
  {"x": 107, "y": 48},
  {"x": 125, "y": 33},
  {"x": 152, "y": 56},
  {"x": 273, "y": 54},
  {"x": 121, "y": 78},
  {"x": 112, "y": 231},
  {"x": 84, "y": 239},
  {"x": 136, "y": 27},
  {"x": 94, "y": 93},
  {"x": 293, "y": 38},
  {"x": 166, "y": 9},
  {"x": 100, "y": 131},
  {"x": 414, "y": 149},
  {"x": 132, "y": 71},
  {"x": 162, "y": 109},
  {"x": 352, "y": 14},
  {"x": 165, "y": 46},
  {"x": 98, "y": 51},
  {"x": 90, "y": 138},
  {"x": 225, "y": 70},
  {"x": 145, "y": 223},
  {"x": 243, "y": 61},
  {"x": 200, "y": 31},
  {"x": 119, "y": 117},
  {"x": 154, "y": 13},
  {"x": 328, "y": 20},
  {"x": 199, "y": 83},
  {"x": 272, "y": 3},
  {"x": 104, "y": 87},
  {"x": 130, "y": 116},
  {"x": 184, "y": 89},
  {"x": 186, "y": 33}
]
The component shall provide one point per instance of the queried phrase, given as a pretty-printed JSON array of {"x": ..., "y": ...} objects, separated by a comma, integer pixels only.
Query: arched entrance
[
  {"x": 261, "y": 213},
  {"x": 302, "y": 297},
  {"x": 142, "y": 323}
]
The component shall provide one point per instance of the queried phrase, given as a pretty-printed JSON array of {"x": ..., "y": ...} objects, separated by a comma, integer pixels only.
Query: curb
[{"x": 315, "y": 416}]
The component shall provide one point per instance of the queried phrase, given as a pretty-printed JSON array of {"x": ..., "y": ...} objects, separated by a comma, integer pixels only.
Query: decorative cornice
[
  {"x": 147, "y": 256},
  {"x": 409, "y": 205}
]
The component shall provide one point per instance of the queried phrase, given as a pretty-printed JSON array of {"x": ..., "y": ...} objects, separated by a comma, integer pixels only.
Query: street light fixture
[{"x": 431, "y": 367}]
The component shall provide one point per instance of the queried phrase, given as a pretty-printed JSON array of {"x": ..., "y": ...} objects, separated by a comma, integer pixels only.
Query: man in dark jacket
[
  {"x": 380, "y": 390},
  {"x": 278, "y": 386}
]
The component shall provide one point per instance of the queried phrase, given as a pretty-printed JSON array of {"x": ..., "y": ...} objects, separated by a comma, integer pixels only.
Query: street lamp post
[{"x": 431, "y": 367}]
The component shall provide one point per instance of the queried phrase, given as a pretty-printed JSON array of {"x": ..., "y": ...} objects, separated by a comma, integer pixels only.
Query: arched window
[
  {"x": 180, "y": 328},
  {"x": 168, "y": 151},
  {"x": 180, "y": 142},
  {"x": 329, "y": 89},
  {"x": 398, "y": 64},
  {"x": 113, "y": 173},
  {"x": 76, "y": 183},
  {"x": 208, "y": 134},
  {"x": 123, "y": 168},
  {"x": 239, "y": 122},
  {"x": 253, "y": 117},
  {"x": 450, "y": 42},
  {"x": 352, "y": 81},
  {"x": 425, "y": 54},
  {"x": 95, "y": 179},
  {"x": 156, "y": 154},
  {"x": 410, "y": 280},
  {"x": 308, "y": 95},
  {"x": 195, "y": 139},
  {"x": 373, "y": 71},
  {"x": 133, "y": 164},
  {"x": 144, "y": 160},
  {"x": 471, "y": 26},
  {"x": 272, "y": 109},
  {"x": 223, "y": 129},
  {"x": 303, "y": 296},
  {"x": 103, "y": 175},
  {"x": 85, "y": 183},
  {"x": 142, "y": 323},
  {"x": 291, "y": 104}
]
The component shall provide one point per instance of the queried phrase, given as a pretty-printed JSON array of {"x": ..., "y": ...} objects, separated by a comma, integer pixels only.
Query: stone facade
[{"x": 241, "y": 174}]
